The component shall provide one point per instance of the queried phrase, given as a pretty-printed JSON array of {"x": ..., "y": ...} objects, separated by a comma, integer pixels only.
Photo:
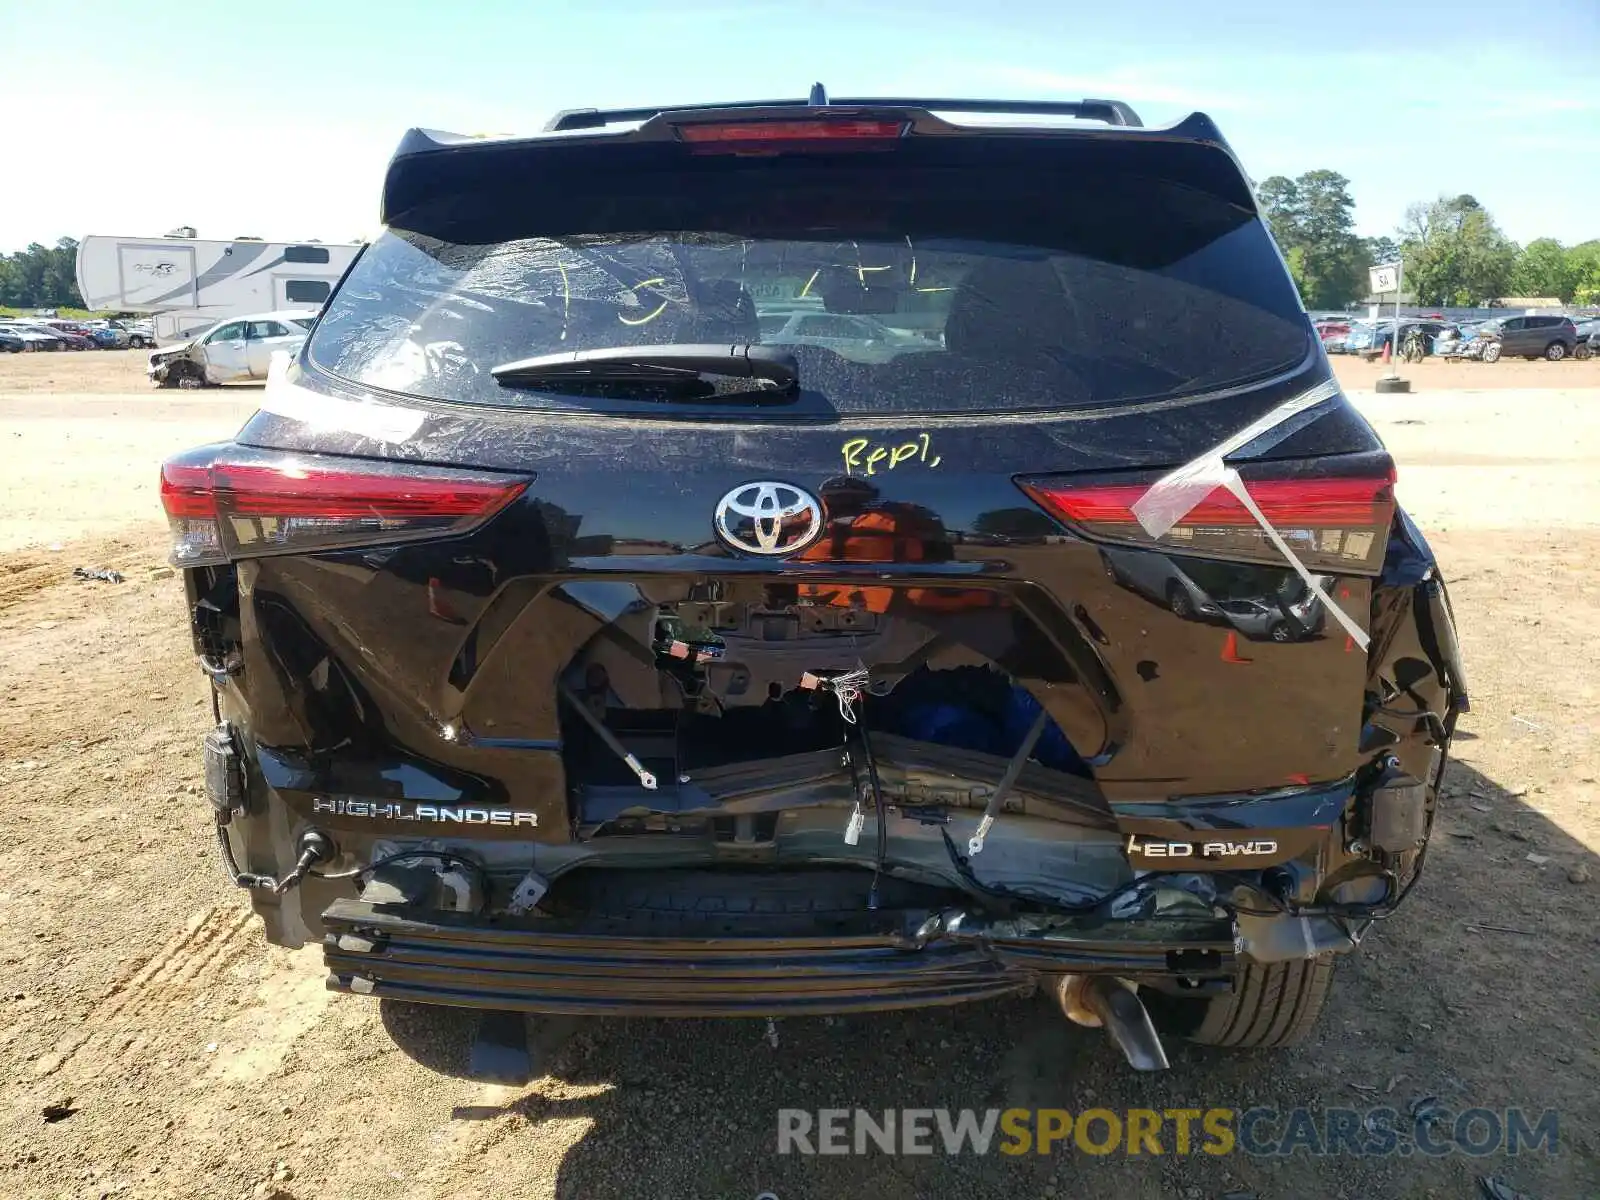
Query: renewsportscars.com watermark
[{"x": 1260, "y": 1131}]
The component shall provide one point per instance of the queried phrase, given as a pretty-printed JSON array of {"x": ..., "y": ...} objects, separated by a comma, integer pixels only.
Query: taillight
[
  {"x": 191, "y": 505},
  {"x": 243, "y": 506},
  {"x": 1330, "y": 523},
  {"x": 771, "y": 137}
]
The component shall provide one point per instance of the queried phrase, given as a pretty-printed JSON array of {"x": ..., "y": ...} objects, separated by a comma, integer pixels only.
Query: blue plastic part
[
  {"x": 1054, "y": 750},
  {"x": 970, "y": 729}
]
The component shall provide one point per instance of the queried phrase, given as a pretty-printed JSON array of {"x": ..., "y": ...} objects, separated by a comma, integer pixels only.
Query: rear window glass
[{"x": 897, "y": 289}]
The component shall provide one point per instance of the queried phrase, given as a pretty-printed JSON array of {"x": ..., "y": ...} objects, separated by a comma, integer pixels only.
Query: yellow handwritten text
[{"x": 862, "y": 453}]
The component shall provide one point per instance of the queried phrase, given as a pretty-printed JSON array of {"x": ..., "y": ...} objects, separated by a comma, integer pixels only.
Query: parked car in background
[
  {"x": 112, "y": 333},
  {"x": 1553, "y": 338},
  {"x": 1333, "y": 331},
  {"x": 1369, "y": 338},
  {"x": 1588, "y": 335},
  {"x": 858, "y": 338},
  {"x": 1345, "y": 344},
  {"x": 140, "y": 334},
  {"x": 72, "y": 334},
  {"x": 100, "y": 338},
  {"x": 37, "y": 338},
  {"x": 231, "y": 351},
  {"x": 107, "y": 335},
  {"x": 13, "y": 343}
]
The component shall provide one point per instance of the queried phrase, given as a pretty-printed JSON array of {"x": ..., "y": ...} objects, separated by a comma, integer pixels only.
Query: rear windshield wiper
[{"x": 672, "y": 371}]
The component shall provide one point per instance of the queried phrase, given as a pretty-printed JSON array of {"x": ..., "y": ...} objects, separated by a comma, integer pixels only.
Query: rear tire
[
  {"x": 1491, "y": 352},
  {"x": 1555, "y": 351},
  {"x": 1281, "y": 632},
  {"x": 1581, "y": 351},
  {"x": 136, "y": 342},
  {"x": 1272, "y": 1005}
]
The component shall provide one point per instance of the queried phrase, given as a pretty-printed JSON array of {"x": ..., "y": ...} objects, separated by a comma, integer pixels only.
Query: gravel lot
[{"x": 192, "y": 1060}]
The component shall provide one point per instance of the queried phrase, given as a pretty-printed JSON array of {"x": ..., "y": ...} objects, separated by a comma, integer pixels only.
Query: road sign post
[{"x": 1387, "y": 277}]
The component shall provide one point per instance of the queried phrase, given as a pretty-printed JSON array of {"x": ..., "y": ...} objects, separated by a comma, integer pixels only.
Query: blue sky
[{"x": 277, "y": 119}]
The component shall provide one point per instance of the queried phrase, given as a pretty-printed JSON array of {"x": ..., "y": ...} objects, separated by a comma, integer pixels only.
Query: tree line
[
  {"x": 41, "y": 277},
  {"x": 1454, "y": 253}
]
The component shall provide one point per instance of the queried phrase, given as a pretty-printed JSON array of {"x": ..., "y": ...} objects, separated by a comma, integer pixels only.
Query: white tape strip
[
  {"x": 1236, "y": 485},
  {"x": 381, "y": 422},
  {"x": 1171, "y": 497},
  {"x": 1175, "y": 494}
]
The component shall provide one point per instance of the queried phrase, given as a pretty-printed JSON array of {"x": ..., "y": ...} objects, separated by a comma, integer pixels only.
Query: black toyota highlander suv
[{"x": 578, "y": 649}]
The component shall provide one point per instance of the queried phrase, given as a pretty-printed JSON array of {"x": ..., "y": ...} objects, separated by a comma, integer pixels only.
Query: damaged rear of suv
[{"x": 1040, "y": 616}]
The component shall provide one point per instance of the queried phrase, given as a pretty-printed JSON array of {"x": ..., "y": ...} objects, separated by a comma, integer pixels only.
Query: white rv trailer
[{"x": 188, "y": 284}]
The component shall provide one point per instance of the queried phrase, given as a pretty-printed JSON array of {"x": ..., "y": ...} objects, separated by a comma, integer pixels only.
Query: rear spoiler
[
  {"x": 430, "y": 163},
  {"x": 1112, "y": 112}
]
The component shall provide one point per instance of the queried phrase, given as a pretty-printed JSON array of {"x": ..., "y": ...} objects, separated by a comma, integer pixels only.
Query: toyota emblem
[{"x": 768, "y": 518}]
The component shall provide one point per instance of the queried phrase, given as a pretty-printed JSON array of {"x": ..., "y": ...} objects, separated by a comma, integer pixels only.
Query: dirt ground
[{"x": 152, "y": 1046}]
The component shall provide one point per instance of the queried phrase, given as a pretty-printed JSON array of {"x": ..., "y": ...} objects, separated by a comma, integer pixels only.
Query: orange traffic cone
[
  {"x": 1230, "y": 649},
  {"x": 1386, "y": 353}
]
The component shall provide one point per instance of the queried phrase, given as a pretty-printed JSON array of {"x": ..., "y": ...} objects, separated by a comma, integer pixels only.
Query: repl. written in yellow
[{"x": 863, "y": 454}]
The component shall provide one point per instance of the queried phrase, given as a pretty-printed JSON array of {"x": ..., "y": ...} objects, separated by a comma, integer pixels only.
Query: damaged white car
[{"x": 235, "y": 350}]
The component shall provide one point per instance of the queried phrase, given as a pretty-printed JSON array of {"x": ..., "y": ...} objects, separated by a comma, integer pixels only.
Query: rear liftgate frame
[{"x": 500, "y": 1048}]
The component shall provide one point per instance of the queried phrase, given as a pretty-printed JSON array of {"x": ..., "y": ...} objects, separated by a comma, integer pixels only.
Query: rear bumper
[{"x": 910, "y": 960}]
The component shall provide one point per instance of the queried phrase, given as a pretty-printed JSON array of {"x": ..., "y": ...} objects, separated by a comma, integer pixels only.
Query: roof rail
[{"x": 1112, "y": 112}]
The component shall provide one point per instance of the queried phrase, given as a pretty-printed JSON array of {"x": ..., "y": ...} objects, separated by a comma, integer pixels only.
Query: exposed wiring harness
[
  {"x": 848, "y": 689},
  {"x": 1101, "y": 905},
  {"x": 444, "y": 856},
  {"x": 1085, "y": 908},
  {"x": 879, "y": 812}
]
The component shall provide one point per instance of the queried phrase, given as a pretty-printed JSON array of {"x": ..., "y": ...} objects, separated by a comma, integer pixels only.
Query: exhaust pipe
[{"x": 1099, "y": 1001}]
